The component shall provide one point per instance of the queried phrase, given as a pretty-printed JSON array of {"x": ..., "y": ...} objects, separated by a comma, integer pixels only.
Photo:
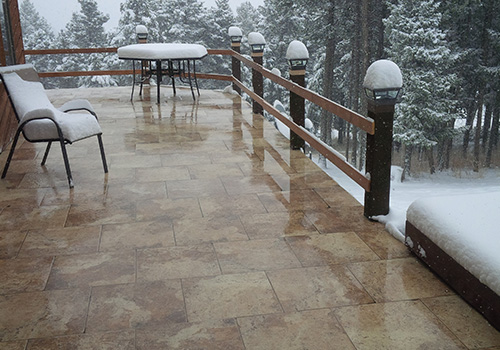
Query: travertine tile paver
[{"x": 208, "y": 232}]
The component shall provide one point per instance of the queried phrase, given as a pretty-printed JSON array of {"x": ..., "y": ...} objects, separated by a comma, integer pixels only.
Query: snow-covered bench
[{"x": 458, "y": 237}]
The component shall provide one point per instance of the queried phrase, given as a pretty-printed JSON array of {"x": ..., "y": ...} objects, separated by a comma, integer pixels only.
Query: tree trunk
[
  {"x": 430, "y": 158},
  {"x": 331, "y": 44},
  {"x": 407, "y": 162},
  {"x": 471, "y": 111},
  {"x": 477, "y": 137},
  {"x": 494, "y": 131},
  {"x": 487, "y": 125}
]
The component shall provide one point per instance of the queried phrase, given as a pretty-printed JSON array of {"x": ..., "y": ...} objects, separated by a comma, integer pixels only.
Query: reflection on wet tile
[
  {"x": 316, "y": 329},
  {"x": 101, "y": 213},
  {"x": 144, "y": 234},
  {"x": 317, "y": 287},
  {"x": 24, "y": 275},
  {"x": 273, "y": 225},
  {"x": 176, "y": 262},
  {"x": 10, "y": 243},
  {"x": 92, "y": 270},
  {"x": 190, "y": 231},
  {"x": 229, "y": 296},
  {"x": 255, "y": 255},
  {"x": 102, "y": 341},
  {"x": 384, "y": 244},
  {"x": 195, "y": 188},
  {"x": 402, "y": 325},
  {"x": 336, "y": 196},
  {"x": 213, "y": 335},
  {"x": 468, "y": 325},
  {"x": 12, "y": 218},
  {"x": 335, "y": 248},
  {"x": 168, "y": 209},
  {"x": 45, "y": 314},
  {"x": 212, "y": 171},
  {"x": 328, "y": 221},
  {"x": 14, "y": 345},
  {"x": 400, "y": 279},
  {"x": 231, "y": 205},
  {"x": 136, "y": 191},
  {"x": 162, "y": 174},
  {"x": 295, "y": 200},
  {"x": 249, "y": 184},
  {"x": 62, "y": 241},
  {"x": 135, "y": 305}
]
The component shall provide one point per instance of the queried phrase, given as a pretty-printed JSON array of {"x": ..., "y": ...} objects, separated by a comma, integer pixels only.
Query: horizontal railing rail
[{"x": 356, "y": 119}]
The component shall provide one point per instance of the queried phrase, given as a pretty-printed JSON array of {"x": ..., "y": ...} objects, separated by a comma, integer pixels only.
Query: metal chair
[{"x": 40, "y": 121}]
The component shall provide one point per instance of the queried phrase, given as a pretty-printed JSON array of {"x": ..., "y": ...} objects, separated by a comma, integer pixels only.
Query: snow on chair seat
[
  {"x": 458, "y": 237},
  {"x": 40, "y": 121}
]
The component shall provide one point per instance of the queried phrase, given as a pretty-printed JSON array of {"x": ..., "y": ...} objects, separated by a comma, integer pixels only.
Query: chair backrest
[
  {"x": 24, "y": 89},
  {"x": 25, "y": 71}
]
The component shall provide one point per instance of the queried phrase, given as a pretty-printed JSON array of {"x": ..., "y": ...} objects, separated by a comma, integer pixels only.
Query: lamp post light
[
  {"x": 383, "y": 83},
  {"x": 142, "y": 34},
  {"x": 236, "y": 35},
  {"x": 297, "y": 56},
  {"x": 258, "y": 44}
]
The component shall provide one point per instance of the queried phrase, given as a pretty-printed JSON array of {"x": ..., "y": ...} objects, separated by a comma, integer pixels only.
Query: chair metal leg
[
  {"x": 46, "y": 154},
  {"x": 66, "y": 163},
  {"x": 103, "y": 155},
  {"x": 11, "y": 153}
]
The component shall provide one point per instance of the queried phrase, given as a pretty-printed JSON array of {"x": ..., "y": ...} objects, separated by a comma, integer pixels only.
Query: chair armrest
[
  {"x": 40, "y": 113},
  {"x": 77, "y": 105}
]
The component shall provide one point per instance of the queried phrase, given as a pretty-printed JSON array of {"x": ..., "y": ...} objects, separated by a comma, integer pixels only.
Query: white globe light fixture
[
  {"x": 256, "y": 42},
  {"x": 235, "y": 33},
  {"x": 142, "y": 33},
  {"x": 383, "y": 82},
  {"x": 297, "y": 55}
]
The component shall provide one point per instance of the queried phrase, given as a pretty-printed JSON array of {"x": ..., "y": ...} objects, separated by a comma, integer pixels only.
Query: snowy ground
[{"x": 425, "y": 186}]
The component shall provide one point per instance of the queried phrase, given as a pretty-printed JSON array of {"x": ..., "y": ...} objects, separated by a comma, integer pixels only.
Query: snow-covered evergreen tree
[
  {"x": 37, "y": 35},
  {"x": 418, "y": 45},
  {"x": 86, "y": 30}
]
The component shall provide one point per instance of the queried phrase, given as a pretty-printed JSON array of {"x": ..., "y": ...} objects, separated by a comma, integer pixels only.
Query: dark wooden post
[
  {"x": 236, "y": 35},
  {"x": 297, "y": 56},
  {"x": 297, "y": 108},
  {"x": 378, "y": 159},
  {"x": 257, "y": 43},
  {"x": 383, "y": 82}
]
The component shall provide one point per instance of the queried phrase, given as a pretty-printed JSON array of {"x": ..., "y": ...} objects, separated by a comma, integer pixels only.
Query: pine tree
[
  {"x": 418, "y": 45},
  {"x": 37, "y": 35},
  {"x": 86, "y": 30}
]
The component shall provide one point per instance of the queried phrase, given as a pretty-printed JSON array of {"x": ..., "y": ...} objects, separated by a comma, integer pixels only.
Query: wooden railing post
[
  {"x": 257, "y": 43},
  {"x": 236, "y": 34},
  {"x": 383, "y": 82},
  {"x": 297, "y": 56}
]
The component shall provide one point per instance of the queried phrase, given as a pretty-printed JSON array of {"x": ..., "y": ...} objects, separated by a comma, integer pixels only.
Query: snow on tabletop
[
  {"x": 234, "y": 31},
  {"x": 157, "y": 51},
  {"x": 297, "y": 50},
  {"x": 383, "y": 74},
  {"x": 466, "y": 227},
  {"x": 256, "y": 38}
]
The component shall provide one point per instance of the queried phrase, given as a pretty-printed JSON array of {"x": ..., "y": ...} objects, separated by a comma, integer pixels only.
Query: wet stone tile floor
[{"x": 208, "y": 232}]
